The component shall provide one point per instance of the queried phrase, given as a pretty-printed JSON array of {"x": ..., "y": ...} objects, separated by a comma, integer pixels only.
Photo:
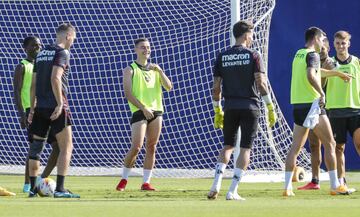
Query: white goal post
[{"x": 185, "y": 35}]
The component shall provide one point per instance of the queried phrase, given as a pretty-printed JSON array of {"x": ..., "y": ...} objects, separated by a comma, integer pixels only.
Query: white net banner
[{"x": 185, "y": 35}]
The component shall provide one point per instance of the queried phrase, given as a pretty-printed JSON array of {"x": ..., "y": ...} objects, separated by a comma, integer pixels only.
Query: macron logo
[
  {"x": 45, "y": 55},
  {"x": 235, "y": 60},
  {"x": 232, "y": 57}
]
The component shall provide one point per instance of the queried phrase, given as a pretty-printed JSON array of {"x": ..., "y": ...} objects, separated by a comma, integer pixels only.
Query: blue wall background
[{"x": 289, "y": 22}]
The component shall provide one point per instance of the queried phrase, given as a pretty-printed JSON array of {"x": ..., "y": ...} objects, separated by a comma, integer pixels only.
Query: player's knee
[
  {"x": 151, "y": 142},
  {"x": 317, "y": 161},
  {"x": 315, "y": 147},
  {"x": 151, "y": 148},
  {"x": 36, "y": 148},
  {"x": 314, "y": 142},
  {"x": 340, "y": 149},
  {"x": 69, "y": 150},
  {"x": 329, "y": 146},
  {"x": 332, "y": 142},
  {"x": 135, "y": 149}
]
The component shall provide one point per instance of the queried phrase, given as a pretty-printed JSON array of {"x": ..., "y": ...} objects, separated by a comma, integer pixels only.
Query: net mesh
[{"x": 185, "y": 35}]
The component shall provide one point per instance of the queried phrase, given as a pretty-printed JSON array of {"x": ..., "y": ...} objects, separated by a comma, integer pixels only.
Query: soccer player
[
  {"x": 4, "y": 192},
  {"x": 241, "y": 72},
  {"x": 308, "y": 100},
  {"x": 143, "y": 82},
  {"x": 314, "y": 141},
  {"x": 50, "y": 88},
  {"x": 343, "y": 101},
  {"x": 22, "y": 82}
]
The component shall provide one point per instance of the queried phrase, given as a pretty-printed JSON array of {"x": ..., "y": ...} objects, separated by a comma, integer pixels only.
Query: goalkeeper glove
[
  {"x": 219, "y": 117},
  {"x": 271, "y": 114}
]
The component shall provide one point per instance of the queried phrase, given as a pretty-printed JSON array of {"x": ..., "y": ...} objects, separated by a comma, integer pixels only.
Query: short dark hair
[
  {"x": 242, "y": 27},
  {"x": 65, "y": 27},
  {"x": 29, "y": 39},
  {"x": 312, "y": 32},
  {"x": 139, "y": 40}
]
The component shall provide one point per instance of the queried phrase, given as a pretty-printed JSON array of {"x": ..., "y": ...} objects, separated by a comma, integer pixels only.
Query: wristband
[{"x": 216, "y": 103}]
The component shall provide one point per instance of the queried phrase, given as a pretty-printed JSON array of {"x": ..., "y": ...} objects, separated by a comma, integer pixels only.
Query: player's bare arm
[
  {"x": 18, "y": 84},
  {"x": 127, "y": 85},
  {"x": 331, "y": 73},
  {"x": 56, "y": 85},
  {"x": 261, "y": 83},
  {"x": 165, "y": 81},
  {"x": 315, "y": 83},
  {"x": 216, "y": 90}
]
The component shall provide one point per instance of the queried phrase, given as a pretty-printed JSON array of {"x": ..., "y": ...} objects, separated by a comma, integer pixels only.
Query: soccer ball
[
  {"x": 299, "y": 174},
  {"x": 46, "y": 187}
]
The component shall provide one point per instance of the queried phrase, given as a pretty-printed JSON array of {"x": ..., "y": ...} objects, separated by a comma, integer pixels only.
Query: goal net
[{"x": 185, "y": 35}]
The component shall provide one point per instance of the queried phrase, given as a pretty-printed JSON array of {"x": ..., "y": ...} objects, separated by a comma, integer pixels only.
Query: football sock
[
  {"x": 315, "y": 181},
  {"x": 60, "y": 183},
  {"x": 342, "y": 181},
  {"x": 147, "y": 175},
  {"x": 219, "y": 172},
  {"x": 334, "y": 182},
  {"x": 32, "y": 182},
  {"x": 238, "y": 173},
  {"x": 288, "y": 180},
  {"x": 126, "y": 172}
]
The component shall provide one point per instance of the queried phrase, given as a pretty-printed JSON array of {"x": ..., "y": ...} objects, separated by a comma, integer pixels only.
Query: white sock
[
  {"x": 126, "y": 172},
  {"x": 288, "y": 180},
  {"x": 219, "y": 172},
  {"x": 147, "y": 175},
  {"x": 341, "y": 181},
  {"x": 238, "y": 173},
  {"x": 334, "y": 182}
]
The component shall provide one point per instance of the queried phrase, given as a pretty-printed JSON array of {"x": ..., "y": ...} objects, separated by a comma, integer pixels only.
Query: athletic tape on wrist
[
  {"x": 216, "y": 103},
  {"x": 267, "y": 99}
]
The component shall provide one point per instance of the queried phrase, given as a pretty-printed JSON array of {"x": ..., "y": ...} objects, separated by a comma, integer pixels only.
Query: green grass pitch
[{"x": 178, "y": 197}]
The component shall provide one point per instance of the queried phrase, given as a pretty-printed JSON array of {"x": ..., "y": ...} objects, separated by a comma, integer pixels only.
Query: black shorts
[
  {"x": 42, "y": 125},
  {"x": 247, "y": 120},
  {"x": 299, "y": 114},
  {"x": 340, "y": 127},
  {"x": 139, "y": 116},
  {"x": 50, "y": 138}
]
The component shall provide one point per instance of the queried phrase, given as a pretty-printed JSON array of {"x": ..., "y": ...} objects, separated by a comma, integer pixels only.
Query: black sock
[
  {"x": 32, "y": 182},
  {"x": 60, "y": 183},
  {"x": 315, "y": 181}
]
